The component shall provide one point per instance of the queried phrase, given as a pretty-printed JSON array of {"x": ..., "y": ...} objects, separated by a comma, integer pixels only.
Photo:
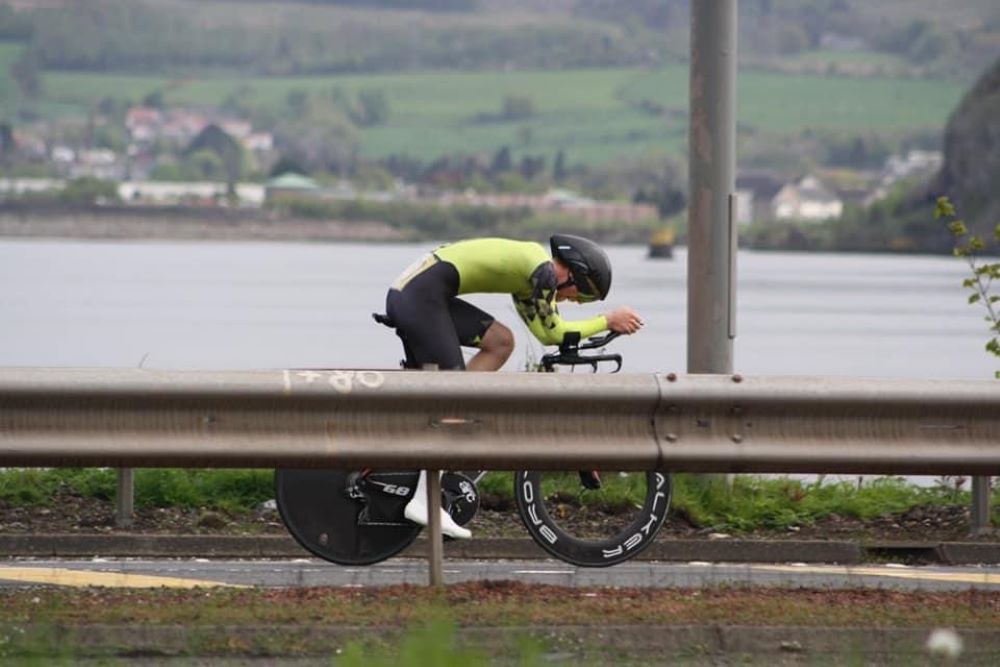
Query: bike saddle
[{"x": 382, "y": 318}]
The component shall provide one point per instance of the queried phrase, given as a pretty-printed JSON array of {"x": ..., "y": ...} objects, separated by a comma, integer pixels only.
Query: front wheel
[{"x": 592, "y": 528}]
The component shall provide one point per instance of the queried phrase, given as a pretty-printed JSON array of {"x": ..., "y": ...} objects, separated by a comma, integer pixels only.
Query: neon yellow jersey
[{"x": 524, "y": 270}]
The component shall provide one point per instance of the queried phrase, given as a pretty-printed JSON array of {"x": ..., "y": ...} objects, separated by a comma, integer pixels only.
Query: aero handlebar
[{"x": 569, "y": 353}]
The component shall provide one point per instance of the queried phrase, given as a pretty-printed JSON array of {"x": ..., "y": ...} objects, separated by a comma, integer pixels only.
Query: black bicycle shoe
[{"x": 590, "y": 479}]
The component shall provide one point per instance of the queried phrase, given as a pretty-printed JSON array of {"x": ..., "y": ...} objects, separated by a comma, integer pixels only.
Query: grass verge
[
  {"x": 498, "y": 622},
  {"x": 748, "y": 503}
]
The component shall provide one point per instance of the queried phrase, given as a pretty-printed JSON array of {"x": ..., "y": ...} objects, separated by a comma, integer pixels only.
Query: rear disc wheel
[{"x": 328, "y": 520}]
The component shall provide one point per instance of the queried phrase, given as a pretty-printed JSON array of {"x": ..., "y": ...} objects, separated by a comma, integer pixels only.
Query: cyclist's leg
[
  {"x": 495, "y": 348},
  {"x": 420, "y": 312},
  {"x": 416, "y": 511},
  {"x": 477, "y": 328}
]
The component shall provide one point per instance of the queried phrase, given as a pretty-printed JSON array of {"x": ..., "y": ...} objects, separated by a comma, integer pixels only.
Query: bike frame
[{"x": 339, "y": 516}]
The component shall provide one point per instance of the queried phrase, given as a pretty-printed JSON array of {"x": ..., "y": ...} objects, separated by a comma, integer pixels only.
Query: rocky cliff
[{"x": 971, "y": 171}]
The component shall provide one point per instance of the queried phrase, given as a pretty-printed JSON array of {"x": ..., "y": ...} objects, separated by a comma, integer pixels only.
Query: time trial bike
[{"x": 355, "y": 517}]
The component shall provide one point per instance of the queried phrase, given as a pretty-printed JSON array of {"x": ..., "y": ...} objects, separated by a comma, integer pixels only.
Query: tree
[
  {"x": 7, "y": 145},
  {"x": 325, "y": 141},
  {"x": 297, "y": 102},
  {"x": 89, "y": 190},
  {"x": 229, "y": 152},
  {"x": 668, "y": 201},
  {"x": 154, "y": 100},
  {"x": 203, "y": 165},
  {"x": 14, "y": 25},
  {"x": 969, "y": 246},
  {"x": 531, "y": 166},
  {"x": 373, "y": 108},
  {"x": 502, "y": 161},
  {"x": 25, "y": 72},
  {"x": 559, "y": 171},
  {"x": 286, "y": 165},
  {"x": 373, "y": 177},
  {"x": 517, "y": 107}
]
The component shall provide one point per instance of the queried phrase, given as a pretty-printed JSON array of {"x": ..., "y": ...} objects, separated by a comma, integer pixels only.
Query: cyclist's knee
[{"x": 498, "y": 340}]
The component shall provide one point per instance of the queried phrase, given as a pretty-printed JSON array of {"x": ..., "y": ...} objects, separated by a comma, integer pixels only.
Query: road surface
[{"x": 310, "y": 572}]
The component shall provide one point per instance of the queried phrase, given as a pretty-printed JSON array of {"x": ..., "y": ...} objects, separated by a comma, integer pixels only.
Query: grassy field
[
  {"x": 793, "y": 102},
  {"x": 594, "y": 115}
]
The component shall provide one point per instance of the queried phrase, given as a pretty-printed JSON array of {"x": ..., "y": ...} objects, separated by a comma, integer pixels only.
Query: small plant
[{"x": 969, "y": 247}]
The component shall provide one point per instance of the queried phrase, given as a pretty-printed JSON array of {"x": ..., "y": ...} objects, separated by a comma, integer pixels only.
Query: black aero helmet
[{"x": 587, "y": 262}]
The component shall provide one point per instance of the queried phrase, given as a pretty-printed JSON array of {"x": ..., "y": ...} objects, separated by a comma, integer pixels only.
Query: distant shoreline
[
  {"x": 183, "y": 223},
  {"x": 193, "y": 223}
]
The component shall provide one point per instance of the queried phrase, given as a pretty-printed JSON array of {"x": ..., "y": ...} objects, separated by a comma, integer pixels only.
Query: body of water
[{"x": 201, "y": 305}]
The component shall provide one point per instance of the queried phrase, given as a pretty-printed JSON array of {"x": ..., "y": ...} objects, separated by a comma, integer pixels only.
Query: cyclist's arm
[{"x": 541, "y": 315}]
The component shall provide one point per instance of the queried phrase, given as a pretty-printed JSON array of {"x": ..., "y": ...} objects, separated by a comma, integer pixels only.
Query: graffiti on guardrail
[{"x": 343, "y": 381}]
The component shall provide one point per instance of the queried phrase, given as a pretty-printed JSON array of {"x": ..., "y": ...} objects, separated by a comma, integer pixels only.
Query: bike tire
[
  {"x": 561, "y": 516},
  {"x": 318, "y": 513}
]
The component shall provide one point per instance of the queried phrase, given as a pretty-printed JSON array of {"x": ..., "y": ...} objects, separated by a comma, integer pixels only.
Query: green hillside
[
  {"x": 593, "y": 114},
  {"x": 603, "y": 80}
]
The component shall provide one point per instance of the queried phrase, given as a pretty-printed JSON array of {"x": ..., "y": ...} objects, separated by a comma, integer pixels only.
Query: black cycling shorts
[{"x": 432, "y": 321}]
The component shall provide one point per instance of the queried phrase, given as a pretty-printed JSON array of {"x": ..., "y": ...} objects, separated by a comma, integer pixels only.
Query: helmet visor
[{"x": 586, "y": 290}]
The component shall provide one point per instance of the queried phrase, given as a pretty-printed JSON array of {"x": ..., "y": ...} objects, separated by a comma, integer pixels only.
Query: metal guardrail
[{"x": 502, "y": 421}]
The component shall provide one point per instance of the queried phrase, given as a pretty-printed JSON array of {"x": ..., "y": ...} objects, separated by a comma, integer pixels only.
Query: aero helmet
[{"x": 587, "y": 262}]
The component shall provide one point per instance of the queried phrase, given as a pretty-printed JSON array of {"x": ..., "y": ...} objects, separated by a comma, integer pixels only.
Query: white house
[{"x": 806, "y": 199}]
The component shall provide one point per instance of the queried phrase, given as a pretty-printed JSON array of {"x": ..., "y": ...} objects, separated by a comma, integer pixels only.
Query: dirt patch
[{"x": 499, "y": 602}]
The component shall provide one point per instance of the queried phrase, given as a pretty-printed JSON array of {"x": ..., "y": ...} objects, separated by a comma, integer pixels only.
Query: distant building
[
  {"x": 745, "y": 207},
  {"x": 754, "y": 191},
  {"x": 558, "y": 200},
  {"x": 259, "y": 142},
  {"x": 19, "y": 186},
  {"x": 30, "y": 145},
  {"x": 915, "y": 164},
  {"x": 172, "y": 193},
  {"x": 145, "y": 125},
  {"x": 97, "y": 163},
  {"x": 806, "y": 199},
  {"x": 290, "y": 183}
]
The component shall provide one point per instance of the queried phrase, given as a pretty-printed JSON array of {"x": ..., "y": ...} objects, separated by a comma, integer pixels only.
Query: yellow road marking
[
  {"x": 64, "y": 577},
  {"x": 899, "y": 573}
]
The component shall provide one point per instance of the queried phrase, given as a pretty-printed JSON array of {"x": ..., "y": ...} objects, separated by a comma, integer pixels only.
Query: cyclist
[{"x": 423, "y": 306}]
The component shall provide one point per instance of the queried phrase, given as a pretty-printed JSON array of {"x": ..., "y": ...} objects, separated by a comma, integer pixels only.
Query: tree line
[
  {"x": 116, "y": 35},
  {"x": 130, "y": 37}
]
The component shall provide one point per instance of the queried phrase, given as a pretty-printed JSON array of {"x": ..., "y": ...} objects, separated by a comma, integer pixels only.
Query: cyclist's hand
[{"x": 623, "y": 320}]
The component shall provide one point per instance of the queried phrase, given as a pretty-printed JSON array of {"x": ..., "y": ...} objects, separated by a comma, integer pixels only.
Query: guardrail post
[
  {"x": 125, "y": 498},
  {"x": 980, "y": 519},
  {"x": 436, "y": 549}
]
